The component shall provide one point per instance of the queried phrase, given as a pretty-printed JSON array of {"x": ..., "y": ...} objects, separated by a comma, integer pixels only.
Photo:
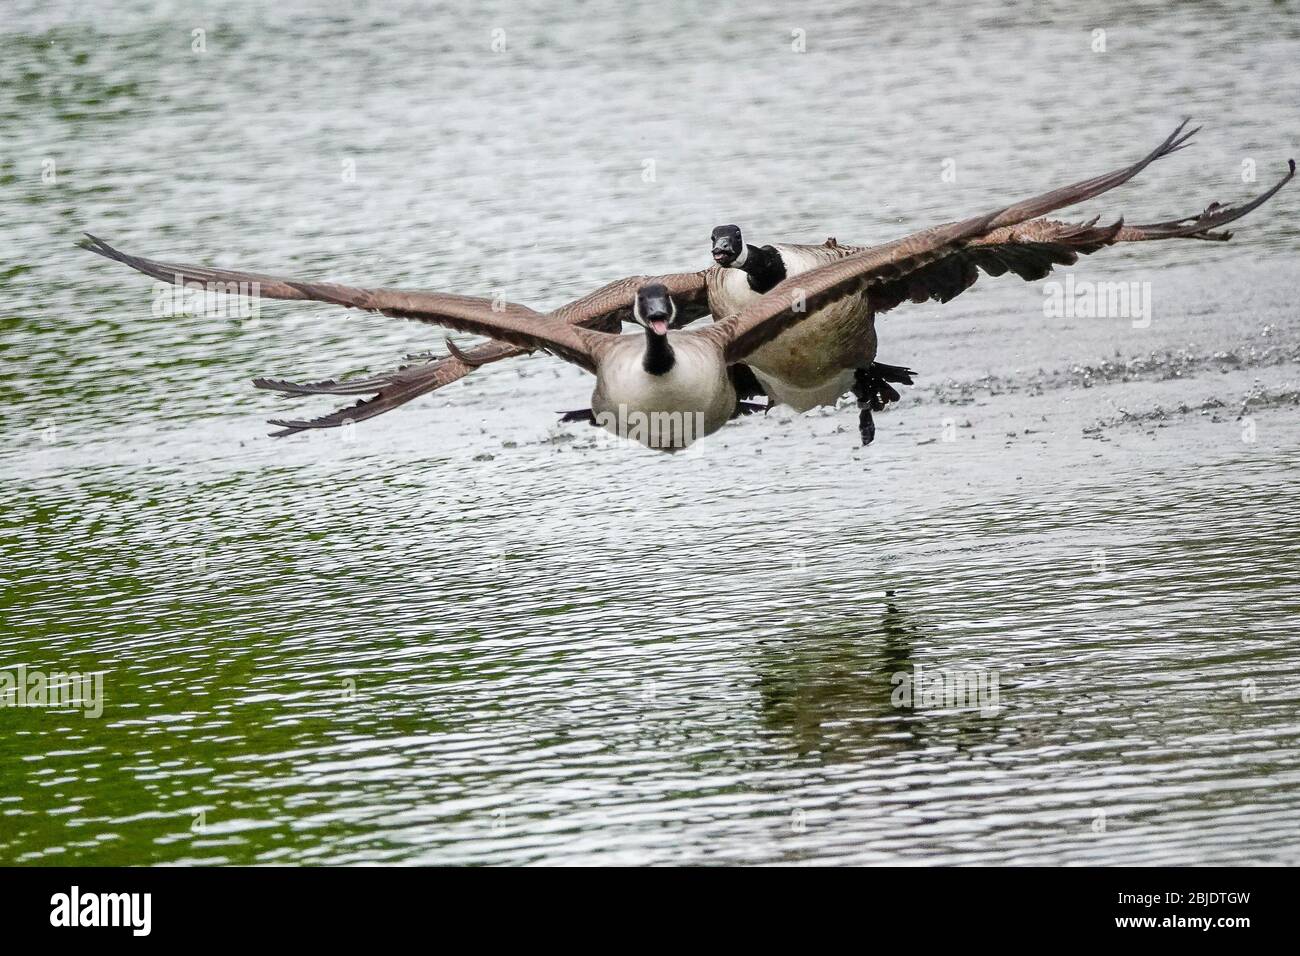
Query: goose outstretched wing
[
  {"x": 506, "y": 322},
  {"x": 1033, "y": 249},
  {"x": 868, "y": 270},
  {"x": 604, "y": 309}
]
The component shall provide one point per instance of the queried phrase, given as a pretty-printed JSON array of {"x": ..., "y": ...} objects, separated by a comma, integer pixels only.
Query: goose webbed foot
[
  {"x": 880, "y": 375},
  {"x": 866, "y": 425},
  {"x": 872, "y": 389},
  {"x": 580, "y": 415}
]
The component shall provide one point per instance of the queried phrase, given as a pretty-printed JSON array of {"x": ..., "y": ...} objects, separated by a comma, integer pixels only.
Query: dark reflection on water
[
  {"x": 833, "y": 694},
  {"x": 463, "y": 634}
]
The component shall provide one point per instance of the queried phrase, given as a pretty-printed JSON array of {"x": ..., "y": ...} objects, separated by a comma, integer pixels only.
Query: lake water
[{"x": 464, "y": 633}]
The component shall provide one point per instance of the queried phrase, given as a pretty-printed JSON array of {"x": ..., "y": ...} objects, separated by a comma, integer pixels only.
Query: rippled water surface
[{"x": 462, "y": 632}]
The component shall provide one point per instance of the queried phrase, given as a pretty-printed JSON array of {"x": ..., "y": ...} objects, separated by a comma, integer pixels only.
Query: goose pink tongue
[{"x": 660, "y": 326}]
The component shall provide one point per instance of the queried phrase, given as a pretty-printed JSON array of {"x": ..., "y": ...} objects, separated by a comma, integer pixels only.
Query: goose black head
[
  {"x": 728, "y": 246},
  {"x": 654, "y": 308}
]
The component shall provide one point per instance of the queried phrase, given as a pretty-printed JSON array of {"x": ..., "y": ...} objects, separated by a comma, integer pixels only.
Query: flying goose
[
  {"x": 797, "y": 368},
  {"x": 605, "y": 309},
  {"x": 684, "y": 373},
  {"x": 808, "y": 365},
  {"x": 833, "y": 351}
]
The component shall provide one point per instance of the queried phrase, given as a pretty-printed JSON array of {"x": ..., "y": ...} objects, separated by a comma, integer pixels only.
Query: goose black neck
[
  {"x": 764, "y": 267},
  {"x": 659, "y": 358}
]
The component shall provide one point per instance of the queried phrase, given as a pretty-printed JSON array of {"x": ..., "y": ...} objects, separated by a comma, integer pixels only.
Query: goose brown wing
[
  {"x": 604, "y": 309},
  {"x": 799, "y": 296},
  {"x": 507, "y": 322},
  {"x": 1033, "y": 249},
  {"x": 611, "y": 304},
  {"x": 386, "y": 391}
]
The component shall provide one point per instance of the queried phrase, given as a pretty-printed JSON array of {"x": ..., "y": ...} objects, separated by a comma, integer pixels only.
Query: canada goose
[
  {"x": 833, "y": 351},
  {"x": 806, "y": 365},
  {"x": 670, "y": 372},
  {"x": 744, "y": 272},
  {"x": 828, "y": 354},
  {"x": 605, "y": 309}
]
